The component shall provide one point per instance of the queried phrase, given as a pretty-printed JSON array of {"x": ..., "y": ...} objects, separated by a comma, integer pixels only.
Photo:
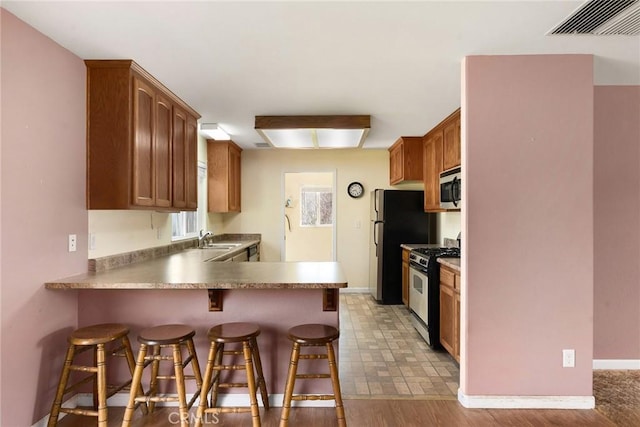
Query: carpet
[{"x": 617, "y": 394}]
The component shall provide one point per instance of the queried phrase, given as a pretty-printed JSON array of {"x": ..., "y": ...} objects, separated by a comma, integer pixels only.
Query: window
[
  {"x": 185, "y": 225},
  {"x": 316, "y": 207}
]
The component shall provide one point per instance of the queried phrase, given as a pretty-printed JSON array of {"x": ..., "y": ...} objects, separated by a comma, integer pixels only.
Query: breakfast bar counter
[
  {"x": 192, "y": 270},
  {"x": 186, "y": 288}
]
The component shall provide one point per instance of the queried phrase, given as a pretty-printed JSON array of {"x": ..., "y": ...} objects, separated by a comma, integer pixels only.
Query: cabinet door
[
  {"x": 395, "y": 164},
  {"x": 405, "y": 277},
  {"x": 162, "y": 151},
  {"x": 234, "y": 179},
  {"x": 191, "y": 168},
  {"x": 447, "y": 325},
  {"x": 143, "y": 185},
  {"x": 431, "y": 168},
  {"x": 451, "y": 150},
  {"x": 179, "y": 158},
  {"x": 456, "y": 330}
]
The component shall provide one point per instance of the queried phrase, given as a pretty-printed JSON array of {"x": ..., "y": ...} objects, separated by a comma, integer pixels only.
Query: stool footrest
[
  {"x": 229, "y": 368},
  {"x": 228, "y": 410},
  {"x": 313, "y": 376},
  {"x": 79, "y": 411},
  {"x": 230, "y": 385},
  {"x": 313, "y": 397},
  {"x": 82, "y": 368},
  {"x": 313, "y": 356},
  {"x": 233, "y": 353},
  {"x": 146, "y": 399}
]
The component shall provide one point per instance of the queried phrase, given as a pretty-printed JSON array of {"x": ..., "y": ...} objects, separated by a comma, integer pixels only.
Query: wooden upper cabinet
[
  {"x": 192, "y": 164},
  {"x": 224, "y": 176},
  {"x": 405, "y": 160},
  {"x": 432, "y": 168},
  {"x": 133, "y": 139},
  {"x": 451, "y": 132},
  {"x": 441, "y": 152},
  {"x": 179, "y": 148},
  {"x": 162, "y": 151},
  {"x": 143, "y": 164}
]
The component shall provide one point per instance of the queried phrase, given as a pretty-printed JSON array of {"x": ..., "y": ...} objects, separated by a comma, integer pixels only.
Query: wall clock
[{"x": 355, "y": 190}]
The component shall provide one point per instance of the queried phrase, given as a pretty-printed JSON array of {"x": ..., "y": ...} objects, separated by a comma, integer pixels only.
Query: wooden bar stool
[
  {"x": 312, "y": 335},
  {"x": 155, "y": 339},
  {"x": 233, "y": 333},
  {"x": 94, "y": 337}
]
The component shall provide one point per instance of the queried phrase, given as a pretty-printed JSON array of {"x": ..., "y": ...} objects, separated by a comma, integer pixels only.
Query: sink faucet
[{"x": 203, "y": 236}]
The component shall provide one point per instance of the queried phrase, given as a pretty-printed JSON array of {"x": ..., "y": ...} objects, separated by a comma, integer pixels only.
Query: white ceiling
[{"x": 398, "y": 61}]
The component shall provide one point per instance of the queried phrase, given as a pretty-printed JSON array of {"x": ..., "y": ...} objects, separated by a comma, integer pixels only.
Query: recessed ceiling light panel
[{"x": 313, "y": 131}]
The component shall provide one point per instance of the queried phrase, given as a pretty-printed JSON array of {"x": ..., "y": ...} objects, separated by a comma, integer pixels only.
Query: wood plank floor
[{"x": 374, "y": 413}]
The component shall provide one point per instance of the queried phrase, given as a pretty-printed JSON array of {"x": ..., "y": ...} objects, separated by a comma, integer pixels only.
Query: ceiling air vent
[
  {"x": 603, "y": 17},
  {"x": 262, "y": 145}
]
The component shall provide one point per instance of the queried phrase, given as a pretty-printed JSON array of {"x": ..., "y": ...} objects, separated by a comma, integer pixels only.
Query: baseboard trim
[
  {"x": 616, "y": 364},
  {"x": 526, "y": 402},
  {"x": 228, "y": 399},
  {"x": 354, "y": 290}
]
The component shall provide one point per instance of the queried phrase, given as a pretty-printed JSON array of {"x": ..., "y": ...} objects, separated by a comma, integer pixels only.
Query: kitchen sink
[{"x": 222, "y": 246}]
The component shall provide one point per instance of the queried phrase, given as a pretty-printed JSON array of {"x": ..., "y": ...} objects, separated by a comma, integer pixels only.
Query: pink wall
[
  {"x": 528, "y": 224},
  {"x": 43, "y": 200},
  {"x": 617, "y": 222},
  {"x": 275, "y": 310}
]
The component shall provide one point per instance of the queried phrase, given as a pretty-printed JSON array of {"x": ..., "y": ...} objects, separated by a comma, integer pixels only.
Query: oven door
[{"x": 418, "y": 291}]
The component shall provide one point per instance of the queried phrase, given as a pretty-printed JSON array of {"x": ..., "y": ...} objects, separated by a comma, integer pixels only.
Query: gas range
[
  {"x": 424, "y": 290},
  {"x": 421, "y": 256}
]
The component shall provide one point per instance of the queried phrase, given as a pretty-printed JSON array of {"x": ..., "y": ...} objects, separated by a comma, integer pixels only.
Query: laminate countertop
[
  {"x": 453, "y": 263},
  {"x": 193, "y": 269}
]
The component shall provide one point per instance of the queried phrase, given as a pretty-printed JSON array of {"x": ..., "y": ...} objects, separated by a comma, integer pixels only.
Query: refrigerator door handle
[{"x": 375, "y": 236}]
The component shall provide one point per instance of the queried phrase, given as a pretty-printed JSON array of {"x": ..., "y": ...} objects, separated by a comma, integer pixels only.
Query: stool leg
[
  {"x": 288, "y": 390},
  {"x": 219, "y": 349},
  {"x": 206, "y": 384},
  {"x": 155, "y": 367},
  {"x": 251, "y": 382},
  {"x": 62, "y": 385},
  {"x": 101, "y": 385},
  {"x": 128, "y": 353},
  {"x": 335, "y": 381},
  {"x": 260, "y": 376},
  {"x": 135, "y": 385},
  {"x": 182, "y": 398},
  {"x": 195, "y": 366}
]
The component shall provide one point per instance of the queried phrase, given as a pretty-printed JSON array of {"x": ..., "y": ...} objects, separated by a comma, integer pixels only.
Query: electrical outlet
[
  {"x": 72, "y": 242},
  {"x": 568, "y": 358}
]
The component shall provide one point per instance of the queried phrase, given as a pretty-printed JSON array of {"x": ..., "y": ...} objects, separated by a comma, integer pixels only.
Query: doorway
[{"x": 309, "y": 216}]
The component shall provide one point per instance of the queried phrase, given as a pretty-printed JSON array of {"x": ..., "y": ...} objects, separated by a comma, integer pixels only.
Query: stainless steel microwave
[{"x": 451, "y": 188}]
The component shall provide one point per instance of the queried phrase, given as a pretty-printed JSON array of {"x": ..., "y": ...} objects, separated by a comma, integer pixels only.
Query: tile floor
[{"x": 383, "y": 357}]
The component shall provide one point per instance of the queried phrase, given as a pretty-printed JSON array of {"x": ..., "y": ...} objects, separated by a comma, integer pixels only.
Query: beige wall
[
  {"x": 119, "y": 231},
  {"x": 305, "y": 243},
  {"x": 262, "y": 200}
]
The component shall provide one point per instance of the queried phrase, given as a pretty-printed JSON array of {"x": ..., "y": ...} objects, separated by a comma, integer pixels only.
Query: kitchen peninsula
[{"x": 186, "y": 287}]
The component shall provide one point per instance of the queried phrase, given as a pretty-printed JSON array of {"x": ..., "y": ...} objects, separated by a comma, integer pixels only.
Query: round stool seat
[
  {"x": 98, "y": 334},
  {"x": 313, "y": 334},
  {"x": 233, "y": 332},
  {"x": 165, "y": 334}
]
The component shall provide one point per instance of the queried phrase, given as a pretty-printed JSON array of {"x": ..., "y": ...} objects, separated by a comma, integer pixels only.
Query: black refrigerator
[{"x": 397, "y": 216}]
